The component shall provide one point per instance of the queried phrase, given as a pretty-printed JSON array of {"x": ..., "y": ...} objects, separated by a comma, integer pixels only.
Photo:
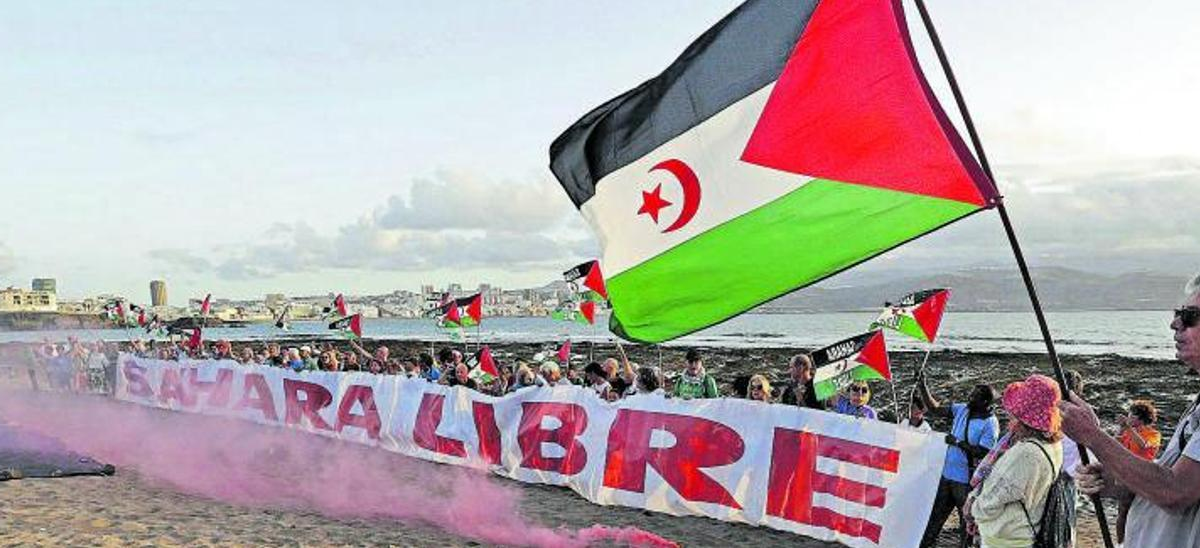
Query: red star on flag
[{"x": 652, "y": 203}]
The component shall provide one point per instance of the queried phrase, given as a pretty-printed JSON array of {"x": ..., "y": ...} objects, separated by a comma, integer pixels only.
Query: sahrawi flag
[
  {"x": 793, "y": 140},
  {"x": 338, "y": 306},
  {"x": 583, "y": 312},
  {"x": 350, "y": 326},
  {"x": 863, "y": 357},
  {"x": 464, "y": 312},
  {"x": 917, "y": 315},
  {"x": 485, "y": 371}
]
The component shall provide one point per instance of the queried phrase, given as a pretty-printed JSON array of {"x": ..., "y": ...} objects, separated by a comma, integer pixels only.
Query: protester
[
  {"x": 1139, "y": 437},
  {"x": 428, "y": 368},
  {"x": 649, "y": 381},
  {"x": 1165, "y": 493},
  {"x": 855, "y": 401},
  {"x": 597, "y": 380},
  {"x": 1011, "y": 485},
  {"x": 799, "y": 390},
  {"x": 973, "y": 433},
  {"x": 695, "y": 382},
  {"x": 916, "y": 415},
  {"x": 222, "y": 350},
  {"x": 247, "y": 357},
  {"x": 329, "y": 361},
  {"x": 552, "y": 374},
  {"x": 759, "y": 389}
]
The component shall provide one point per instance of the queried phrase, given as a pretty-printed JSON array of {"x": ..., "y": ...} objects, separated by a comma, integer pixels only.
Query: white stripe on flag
[{"x": 729, "y": 187}]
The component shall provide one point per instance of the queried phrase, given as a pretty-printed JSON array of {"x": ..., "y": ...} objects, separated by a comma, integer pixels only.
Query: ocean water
[{"x": 1127, "y": 333}]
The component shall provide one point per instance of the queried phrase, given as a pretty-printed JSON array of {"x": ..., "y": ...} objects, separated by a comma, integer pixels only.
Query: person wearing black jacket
[
  {"x": 799, "y": 390},
  {"x": 974, "y": 430}
]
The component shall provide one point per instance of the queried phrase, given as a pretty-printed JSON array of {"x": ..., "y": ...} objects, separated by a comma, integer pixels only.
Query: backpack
[{"x": 1056, "y": 527}]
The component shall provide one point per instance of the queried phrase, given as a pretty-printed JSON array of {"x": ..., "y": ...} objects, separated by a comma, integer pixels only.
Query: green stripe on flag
[{"x": 808, "y": 234}]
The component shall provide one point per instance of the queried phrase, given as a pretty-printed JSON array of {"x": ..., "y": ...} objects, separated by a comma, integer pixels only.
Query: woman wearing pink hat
[{"x": 1010, "y": 487}]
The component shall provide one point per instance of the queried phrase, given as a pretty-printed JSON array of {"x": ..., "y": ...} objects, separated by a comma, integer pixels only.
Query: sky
[{"x": 305, "y": 147}]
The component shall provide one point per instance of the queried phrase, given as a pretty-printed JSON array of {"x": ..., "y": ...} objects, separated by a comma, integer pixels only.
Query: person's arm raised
[
  {"x": 932, "y": 406},
  {"x": 1174, "y": 489},
  {"x": 362, "y": 351}
]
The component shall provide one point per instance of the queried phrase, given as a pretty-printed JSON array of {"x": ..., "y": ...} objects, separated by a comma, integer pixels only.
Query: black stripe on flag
[{"x": 738, "y": 56}]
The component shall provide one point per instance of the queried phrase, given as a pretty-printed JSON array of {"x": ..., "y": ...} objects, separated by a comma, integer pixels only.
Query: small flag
[
  {"x": 592, "y": 278},
  {"x": 587, "y": 309},
  {"x": 206, "y": 306},
  {"x": 475, "y": 308},
  {"x": 584, "y": 313},
  {"x": 281, "y": 321},
  {"x": 862, "y": 357},
  {"x": 917, "y": 315},
  {"x": 564, "y": 352},
  {"x": 195, "y": 341},
  {"x": 452, "y": 318},
  {"x": 337, "y": 305},
  {"x": 486, "y": 371},
  {"x": 351, "y": 326}
]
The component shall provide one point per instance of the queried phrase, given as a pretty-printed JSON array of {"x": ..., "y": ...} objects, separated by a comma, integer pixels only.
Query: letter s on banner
[
  {"x": 794, "y": 478},
  {"x": 699, "y": 443},
  {"x": 135, "y": 379}
]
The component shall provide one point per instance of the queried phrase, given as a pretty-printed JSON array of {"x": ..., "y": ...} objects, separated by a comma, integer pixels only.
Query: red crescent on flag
[{"x": 691, "y": 191}]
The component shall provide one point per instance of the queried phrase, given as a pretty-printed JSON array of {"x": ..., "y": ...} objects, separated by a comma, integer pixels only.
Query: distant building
[
  {"x": 275, "y": 300},
  {"x": 20, "y": 300},
  {"x": 45, "y": 284},
  {"x": 158, "y": 293}
]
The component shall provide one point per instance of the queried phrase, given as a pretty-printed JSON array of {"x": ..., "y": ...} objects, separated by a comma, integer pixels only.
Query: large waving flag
[
  {"x": 917, "y": 315},
  {"x": 793, "y": 140},
  {"x": 862, "y": 357}
]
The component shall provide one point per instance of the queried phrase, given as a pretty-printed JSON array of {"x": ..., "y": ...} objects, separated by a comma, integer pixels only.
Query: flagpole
[
  {"x": 1059, "y": 374},
  {"x": 895, "y": 402}
]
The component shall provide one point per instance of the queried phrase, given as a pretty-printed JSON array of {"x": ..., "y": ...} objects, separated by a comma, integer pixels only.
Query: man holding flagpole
[{"x": 1165, "y": 493}]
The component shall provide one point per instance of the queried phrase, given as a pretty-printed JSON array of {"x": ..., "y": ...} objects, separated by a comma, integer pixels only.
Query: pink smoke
[{"x": 254, "y": 465}]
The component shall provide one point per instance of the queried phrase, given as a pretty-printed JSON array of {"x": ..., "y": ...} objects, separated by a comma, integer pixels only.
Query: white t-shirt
[
  {"x": 1149, "y": 525},
  {"x": 923, "y": 428}
]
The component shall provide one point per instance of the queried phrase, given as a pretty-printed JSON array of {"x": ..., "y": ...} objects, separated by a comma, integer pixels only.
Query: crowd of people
[{"x": 1011, "y": 486}]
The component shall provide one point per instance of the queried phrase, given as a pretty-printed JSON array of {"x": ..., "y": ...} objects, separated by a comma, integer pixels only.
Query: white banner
[{"x": 822, "y": 475}]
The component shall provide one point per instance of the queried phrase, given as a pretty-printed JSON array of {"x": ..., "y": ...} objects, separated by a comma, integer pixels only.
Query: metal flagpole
[{"x": 1012, "y": 240}]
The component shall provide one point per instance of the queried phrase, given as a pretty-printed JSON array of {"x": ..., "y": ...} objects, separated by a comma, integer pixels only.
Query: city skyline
[{"x": 373, "y": 147}]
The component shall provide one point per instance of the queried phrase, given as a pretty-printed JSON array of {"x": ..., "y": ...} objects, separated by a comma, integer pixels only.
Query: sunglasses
[
  {"x": 1188, "y": 316},
  {"x": 859, "y": 390},
  {"x": 756, "y": 387}
]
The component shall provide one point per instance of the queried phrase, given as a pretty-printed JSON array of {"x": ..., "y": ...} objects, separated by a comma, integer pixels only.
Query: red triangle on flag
[
  {"x": 874, "y": 355},
  {"x": 195, "y": 340},
  {"x": 475, "y": 309},
  {"x": 356, "y": 325},
  {"x": 339, "y": 303},
  {"x": 452, "y": 314},
  {"x": 564, "y": 351},
  {"x": 205, "y": 306},
  {"x": 595, "y": 280},
  {"x": 588, "y": 309},
  {"x": 865, "y": 115},
  {"x": 486, "y": 363},
  {"x": 929, "y": 313}
]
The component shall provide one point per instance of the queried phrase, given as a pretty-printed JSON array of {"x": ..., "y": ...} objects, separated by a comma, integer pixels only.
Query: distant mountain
[{"x": 998, "y": 290}]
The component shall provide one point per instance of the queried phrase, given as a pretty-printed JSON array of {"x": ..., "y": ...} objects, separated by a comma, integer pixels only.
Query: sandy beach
[{"x": 136, "y": 507}]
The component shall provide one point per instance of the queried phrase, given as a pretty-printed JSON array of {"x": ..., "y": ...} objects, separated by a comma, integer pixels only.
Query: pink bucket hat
[{"x": 1034, "y": 402}]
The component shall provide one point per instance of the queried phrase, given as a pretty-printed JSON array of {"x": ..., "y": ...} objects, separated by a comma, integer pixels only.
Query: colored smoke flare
[{"x": 255, "y": 465}]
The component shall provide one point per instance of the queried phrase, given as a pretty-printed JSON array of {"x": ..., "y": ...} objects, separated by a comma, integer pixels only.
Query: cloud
[
  {"x": 8, "y": 261},
  {"x": 453, "y": 221},
  {"x": 1139, "y": 216},
  {"x": 181, "y": 259}
]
